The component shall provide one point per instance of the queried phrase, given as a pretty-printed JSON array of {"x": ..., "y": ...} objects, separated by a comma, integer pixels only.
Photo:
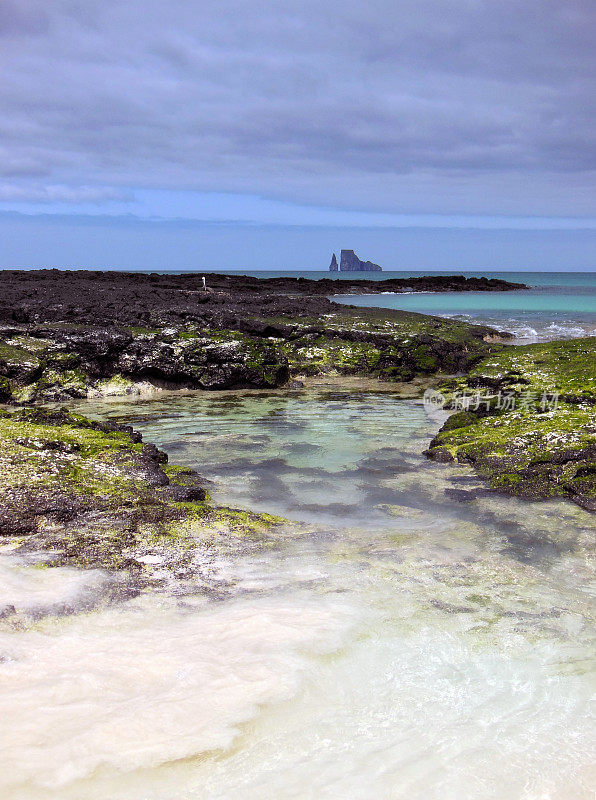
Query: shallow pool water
[{"x": 406, "y": 636}]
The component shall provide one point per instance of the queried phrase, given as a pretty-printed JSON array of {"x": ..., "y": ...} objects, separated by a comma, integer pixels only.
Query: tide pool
[{"x": 406, "y": 636}]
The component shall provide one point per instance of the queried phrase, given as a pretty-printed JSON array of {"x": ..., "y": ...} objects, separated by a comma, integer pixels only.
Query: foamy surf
[
  {"x": 148, "y": 682},
  {"x": 29, "y": 590}
]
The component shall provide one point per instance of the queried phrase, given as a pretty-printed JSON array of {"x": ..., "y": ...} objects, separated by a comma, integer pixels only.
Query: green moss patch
[
  {"x": 541, "y": 443},
  {"x": 96, "y": 496}
]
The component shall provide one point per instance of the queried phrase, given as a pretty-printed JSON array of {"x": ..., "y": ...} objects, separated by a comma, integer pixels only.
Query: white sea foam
[
  {"x": 545, "y": 330},
  {"x": 240, "y": 700},
  {"x": 145, "y": 683},
  {"x": 35, "y": 591},
  {"x": 423, "y": 716}
]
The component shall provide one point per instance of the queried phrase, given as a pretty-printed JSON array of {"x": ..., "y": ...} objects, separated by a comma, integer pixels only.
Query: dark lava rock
[
  {"x": 103, "y": 299},
  {"x": 85, "y": 328}
]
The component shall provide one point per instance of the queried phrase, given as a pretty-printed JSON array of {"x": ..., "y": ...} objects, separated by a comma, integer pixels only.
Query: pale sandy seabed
[{"x": 390, "y": 642}]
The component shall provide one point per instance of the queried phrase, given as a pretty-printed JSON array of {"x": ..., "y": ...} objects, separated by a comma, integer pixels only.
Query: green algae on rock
[
  {"x": 387, "y": 344},
  {"x": 65, "y": 334},
  {"x": 59, "y": 362},
  {"x": 96, "y": 496},
  {"x": 541, "y": 443}
]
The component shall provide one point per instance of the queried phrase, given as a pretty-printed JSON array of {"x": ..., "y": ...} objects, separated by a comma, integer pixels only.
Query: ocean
[{"x": 559, "y": 305}]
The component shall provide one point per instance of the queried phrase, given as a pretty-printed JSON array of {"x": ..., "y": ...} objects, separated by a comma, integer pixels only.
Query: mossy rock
[
  {"x": 96, "y": 496},
  {"x": 5, "y": 390},
  {"x": 545, "y": 445},
  {"x": 460, "y": 420}
]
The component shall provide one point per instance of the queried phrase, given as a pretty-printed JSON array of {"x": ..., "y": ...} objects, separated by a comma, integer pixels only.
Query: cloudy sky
[{"x": 232, "y": 133}]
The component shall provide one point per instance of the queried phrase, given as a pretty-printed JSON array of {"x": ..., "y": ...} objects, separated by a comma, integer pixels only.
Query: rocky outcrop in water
[
  {"x": 526, "y": 420},
  {"x": 351, "y": 263},
  {"x": 94, "y": 495},
  {"x": 333, "y": 266}
]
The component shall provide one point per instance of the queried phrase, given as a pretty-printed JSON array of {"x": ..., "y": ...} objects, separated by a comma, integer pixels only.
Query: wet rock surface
[
  {"x": 93, "y": 494},
  {"x": 530, "y": 424},
  {"x": 56, "y": 363}
]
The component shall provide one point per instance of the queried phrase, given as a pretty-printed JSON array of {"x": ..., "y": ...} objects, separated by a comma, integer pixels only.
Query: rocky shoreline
[
  {"x": 66, "y": 335},
  {"x": 136, "y": 298},
  {"x": 525, "y": 419},
  {"x": 95, "y": 495},
  {"x": 330, "y": 286}
]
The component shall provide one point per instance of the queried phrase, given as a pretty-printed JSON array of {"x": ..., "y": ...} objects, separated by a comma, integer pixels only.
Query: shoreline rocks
[
  {"x": 529, "y": 428},
  {"x": 94, "y": 495},
  {"x": 67, "y": 335},
  {"x": 156, "y": 301}
]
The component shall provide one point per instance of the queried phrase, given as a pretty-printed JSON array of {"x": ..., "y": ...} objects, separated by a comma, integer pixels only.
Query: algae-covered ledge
[
  {"x": 69, "y": 335},
  {"x": 530, "y": 423},
  {"x": 95, "y": 495},
  {"x": 55, "y": 362}
]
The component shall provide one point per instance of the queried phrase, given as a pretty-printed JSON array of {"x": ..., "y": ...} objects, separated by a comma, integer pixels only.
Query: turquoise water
[
  {"x": 558, "y": 306},
  {"x": 530, "y": 302},
  {"x": 534, "y": 315}
]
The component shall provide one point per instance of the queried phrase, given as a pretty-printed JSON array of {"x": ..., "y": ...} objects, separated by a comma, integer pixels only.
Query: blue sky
[{"x": 241, "y": 133}]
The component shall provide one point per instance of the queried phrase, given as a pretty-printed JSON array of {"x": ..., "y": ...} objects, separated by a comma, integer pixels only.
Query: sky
[{"x": 178, "y": 134}]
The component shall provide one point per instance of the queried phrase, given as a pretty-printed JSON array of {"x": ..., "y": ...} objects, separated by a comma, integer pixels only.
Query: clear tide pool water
[{"x": 404, "y": 636}]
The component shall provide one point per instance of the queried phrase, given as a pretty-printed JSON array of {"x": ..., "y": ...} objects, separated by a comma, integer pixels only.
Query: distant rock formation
[
  {"x": 351, "y": 263},
  {"x": 333, "y": 266}
]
